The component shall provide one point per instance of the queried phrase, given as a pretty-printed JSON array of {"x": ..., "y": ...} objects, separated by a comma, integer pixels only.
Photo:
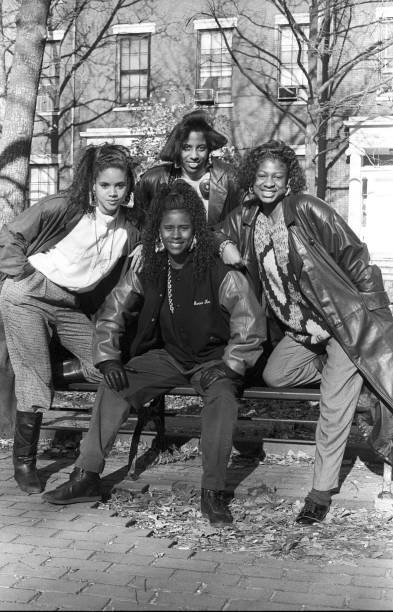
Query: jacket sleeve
[
  {"x": 123, "y": 302},
  {"x": 247, "y": 322},
  {"x": 16, "y": 237},
  {"x": 348, "y": 251},
  {"x": 229, "y": 228}
]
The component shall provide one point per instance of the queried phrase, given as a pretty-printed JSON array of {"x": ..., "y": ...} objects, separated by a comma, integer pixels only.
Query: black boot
[
  {"x": 215, "y": 508},
  {"x": 82, "y": 486},
  {"x": 26, "y": 436}
]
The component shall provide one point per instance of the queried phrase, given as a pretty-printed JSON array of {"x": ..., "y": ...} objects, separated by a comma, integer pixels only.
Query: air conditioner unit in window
[
  {"x": 287, "y": 94},
  {"x": 223, "y": 97},
  {"x": 204, "y": 96}
]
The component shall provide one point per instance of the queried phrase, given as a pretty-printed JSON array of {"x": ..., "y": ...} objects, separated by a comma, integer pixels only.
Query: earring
[
  {"x": 193, "y": 243},
  {"x": 92, "y": 202},
  {"x": 159, "y": 246},
  {"x": 288, "y": 190},
  {"x": 251, "y": 189}
]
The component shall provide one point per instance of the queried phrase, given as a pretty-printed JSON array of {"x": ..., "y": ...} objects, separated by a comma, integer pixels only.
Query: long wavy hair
[
  {"x": 273, "y": 149},
  {"x": 93, "y": 160},
  {"x": 180, "y": 196}
]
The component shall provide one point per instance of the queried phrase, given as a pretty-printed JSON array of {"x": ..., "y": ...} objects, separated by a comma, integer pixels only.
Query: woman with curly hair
[
  {"x": 199, "y": 321},
  {"x": 59, "y": 259},
  {"x": 324, "y": 297}
]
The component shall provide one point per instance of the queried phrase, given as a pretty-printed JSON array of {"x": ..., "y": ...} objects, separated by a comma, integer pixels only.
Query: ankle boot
[
  {"x": 82, "y": 486},
  {"x": 26, "y": 436},
  {"x": 215, "y": 508}
]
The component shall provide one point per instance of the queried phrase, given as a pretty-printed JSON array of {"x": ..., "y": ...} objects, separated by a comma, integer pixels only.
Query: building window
[
  {"x": 42, "y": 181},
  {"x": 134, "y": 67},
  {"x": 215, "y": 63},
  {"x": 48, "y": 89},
  {"x": 292, "y": 80}
]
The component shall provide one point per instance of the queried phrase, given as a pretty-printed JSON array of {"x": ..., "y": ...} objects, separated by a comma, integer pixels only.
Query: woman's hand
[
  {"x": 231, "y": 256},
  {"x": 136, "y": 259}
]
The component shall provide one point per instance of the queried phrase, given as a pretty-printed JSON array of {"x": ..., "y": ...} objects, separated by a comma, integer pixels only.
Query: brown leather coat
[{"x": 334, "y": 273}]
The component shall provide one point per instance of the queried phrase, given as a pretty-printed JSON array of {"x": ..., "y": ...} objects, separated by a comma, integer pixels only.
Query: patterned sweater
[{"x": 280, "y": 285}]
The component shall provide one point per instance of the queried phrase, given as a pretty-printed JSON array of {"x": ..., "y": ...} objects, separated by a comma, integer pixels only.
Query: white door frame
[{"x": 364, "y": 134}]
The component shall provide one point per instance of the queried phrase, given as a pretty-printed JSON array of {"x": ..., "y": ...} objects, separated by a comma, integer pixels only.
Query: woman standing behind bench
[
  {"x": 199, "y": 322},
  {"x": 54, "y": 255}
]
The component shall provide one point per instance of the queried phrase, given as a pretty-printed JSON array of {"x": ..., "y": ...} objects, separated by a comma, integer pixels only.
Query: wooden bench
[{"x": 163, "y": 422}]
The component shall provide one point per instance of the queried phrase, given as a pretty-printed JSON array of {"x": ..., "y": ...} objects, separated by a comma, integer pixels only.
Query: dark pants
[{"x": 156, "y": 373}]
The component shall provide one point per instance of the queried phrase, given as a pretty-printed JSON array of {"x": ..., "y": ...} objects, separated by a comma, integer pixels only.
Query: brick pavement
[{"x": 79, "y": 557}]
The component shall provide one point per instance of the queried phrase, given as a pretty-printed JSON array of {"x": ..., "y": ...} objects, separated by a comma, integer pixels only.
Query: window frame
[
  {"x": 202, "y": 26},
  {"x": 281, "y": 23},
  {"x": 127, "y": 30}
]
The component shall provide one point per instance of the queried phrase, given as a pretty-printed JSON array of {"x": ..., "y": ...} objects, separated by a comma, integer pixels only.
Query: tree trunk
[{"x": 15, "y": 143}]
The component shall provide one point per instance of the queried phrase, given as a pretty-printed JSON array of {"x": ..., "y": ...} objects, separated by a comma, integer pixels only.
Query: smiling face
[
  {"x": 270, "y": 183},
  {"x": 194, "y": 155},
  {"x": 110, "y": 188},
  {"x": 177, "y": 232}
]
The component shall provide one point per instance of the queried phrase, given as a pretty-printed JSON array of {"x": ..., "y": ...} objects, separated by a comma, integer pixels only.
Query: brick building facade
[{"x": 157, "y": 59}]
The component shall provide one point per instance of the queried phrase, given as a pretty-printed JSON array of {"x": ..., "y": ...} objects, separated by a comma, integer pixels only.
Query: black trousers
[{"x": 155, "y": 373}]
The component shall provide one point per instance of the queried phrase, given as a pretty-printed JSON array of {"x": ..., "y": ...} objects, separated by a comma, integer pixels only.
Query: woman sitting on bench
[
  {"x": 199, "y": 322},
  {"x": 54, "y": 255}
]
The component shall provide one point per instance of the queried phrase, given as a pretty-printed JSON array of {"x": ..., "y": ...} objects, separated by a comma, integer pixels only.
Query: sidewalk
[{"x": 79, "y": 557}]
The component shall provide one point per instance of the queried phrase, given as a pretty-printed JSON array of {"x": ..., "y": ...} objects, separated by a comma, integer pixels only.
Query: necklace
[
  {"x": 102, "y": 263},
  {"x": 169, "y": 289}
]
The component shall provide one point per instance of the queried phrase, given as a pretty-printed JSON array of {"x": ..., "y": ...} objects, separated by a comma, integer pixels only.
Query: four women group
[{"x": 213, "y": 268}]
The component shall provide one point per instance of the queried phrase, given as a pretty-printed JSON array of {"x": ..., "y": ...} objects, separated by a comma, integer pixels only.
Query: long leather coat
[
  {"x": 334, "y": 273},
  {"x": 224, "y": 193}
]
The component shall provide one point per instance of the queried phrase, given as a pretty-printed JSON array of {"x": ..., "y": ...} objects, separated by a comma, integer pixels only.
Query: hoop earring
[
  {"x": 159, "y": 246},
  {"x": 193, "y": 243},
  {"x": 288, "y": 190},
  {"x": 92, "y": 202},
  {"x": 251, "y": 189}
]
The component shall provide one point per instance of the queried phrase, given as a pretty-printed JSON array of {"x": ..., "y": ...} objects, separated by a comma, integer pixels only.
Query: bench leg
[
  {"x": 384, "y": 501},
  {"x": 155, "y": 413},
  {"x": 136, "y": 436}
]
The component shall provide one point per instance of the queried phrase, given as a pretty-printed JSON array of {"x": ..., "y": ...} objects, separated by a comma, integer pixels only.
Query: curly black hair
[
  {"x": 180, "y": 196},
  {"x": 273, "y": 149},
  {"x": 93, "y": 160}
]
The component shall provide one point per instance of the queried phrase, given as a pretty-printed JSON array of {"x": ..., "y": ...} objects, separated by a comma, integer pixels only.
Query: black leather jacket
[
  {"x": 224, "y": 193},
  {"x": 130, "y": 298},
  {"x": 334, "y": 273}
]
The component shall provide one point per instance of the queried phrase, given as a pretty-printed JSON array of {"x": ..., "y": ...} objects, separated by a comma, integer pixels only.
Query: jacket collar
[{"x": 251, "y": 209}]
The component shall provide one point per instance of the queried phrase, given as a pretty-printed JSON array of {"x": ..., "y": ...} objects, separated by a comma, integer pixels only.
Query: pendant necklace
[{"x": 101, "y": 264}]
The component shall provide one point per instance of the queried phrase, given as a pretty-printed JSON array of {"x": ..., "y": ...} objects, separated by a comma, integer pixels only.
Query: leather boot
[
  {"x": 26, "y": 436},
  {"x": 82, "y": 486},
  {"x": 215, "y": 508}
]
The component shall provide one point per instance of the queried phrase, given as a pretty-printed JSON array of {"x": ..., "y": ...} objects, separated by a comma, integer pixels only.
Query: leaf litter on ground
[{"x": 263, "y": 523}]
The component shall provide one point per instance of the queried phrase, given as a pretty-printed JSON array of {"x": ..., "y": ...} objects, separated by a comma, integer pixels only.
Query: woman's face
[
  {"x": 177, "y": 232},
  {"x": 110, "y": 188},
  {"x": 270, "y": 183},
  {"x": 194, "y": 155}
]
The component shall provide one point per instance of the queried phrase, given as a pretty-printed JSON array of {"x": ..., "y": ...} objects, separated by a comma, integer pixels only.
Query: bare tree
[
  {"x": 338, "y": 55},
  {"x": 20, "y": 104}
]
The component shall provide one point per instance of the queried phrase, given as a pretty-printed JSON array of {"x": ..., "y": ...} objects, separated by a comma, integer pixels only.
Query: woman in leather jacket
[
  {"x": 187, "y": 155},
  {"x": 326, "y": 298},
  {"x": 199, "y": 321},
  {"x": 59, "y": 259}
]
